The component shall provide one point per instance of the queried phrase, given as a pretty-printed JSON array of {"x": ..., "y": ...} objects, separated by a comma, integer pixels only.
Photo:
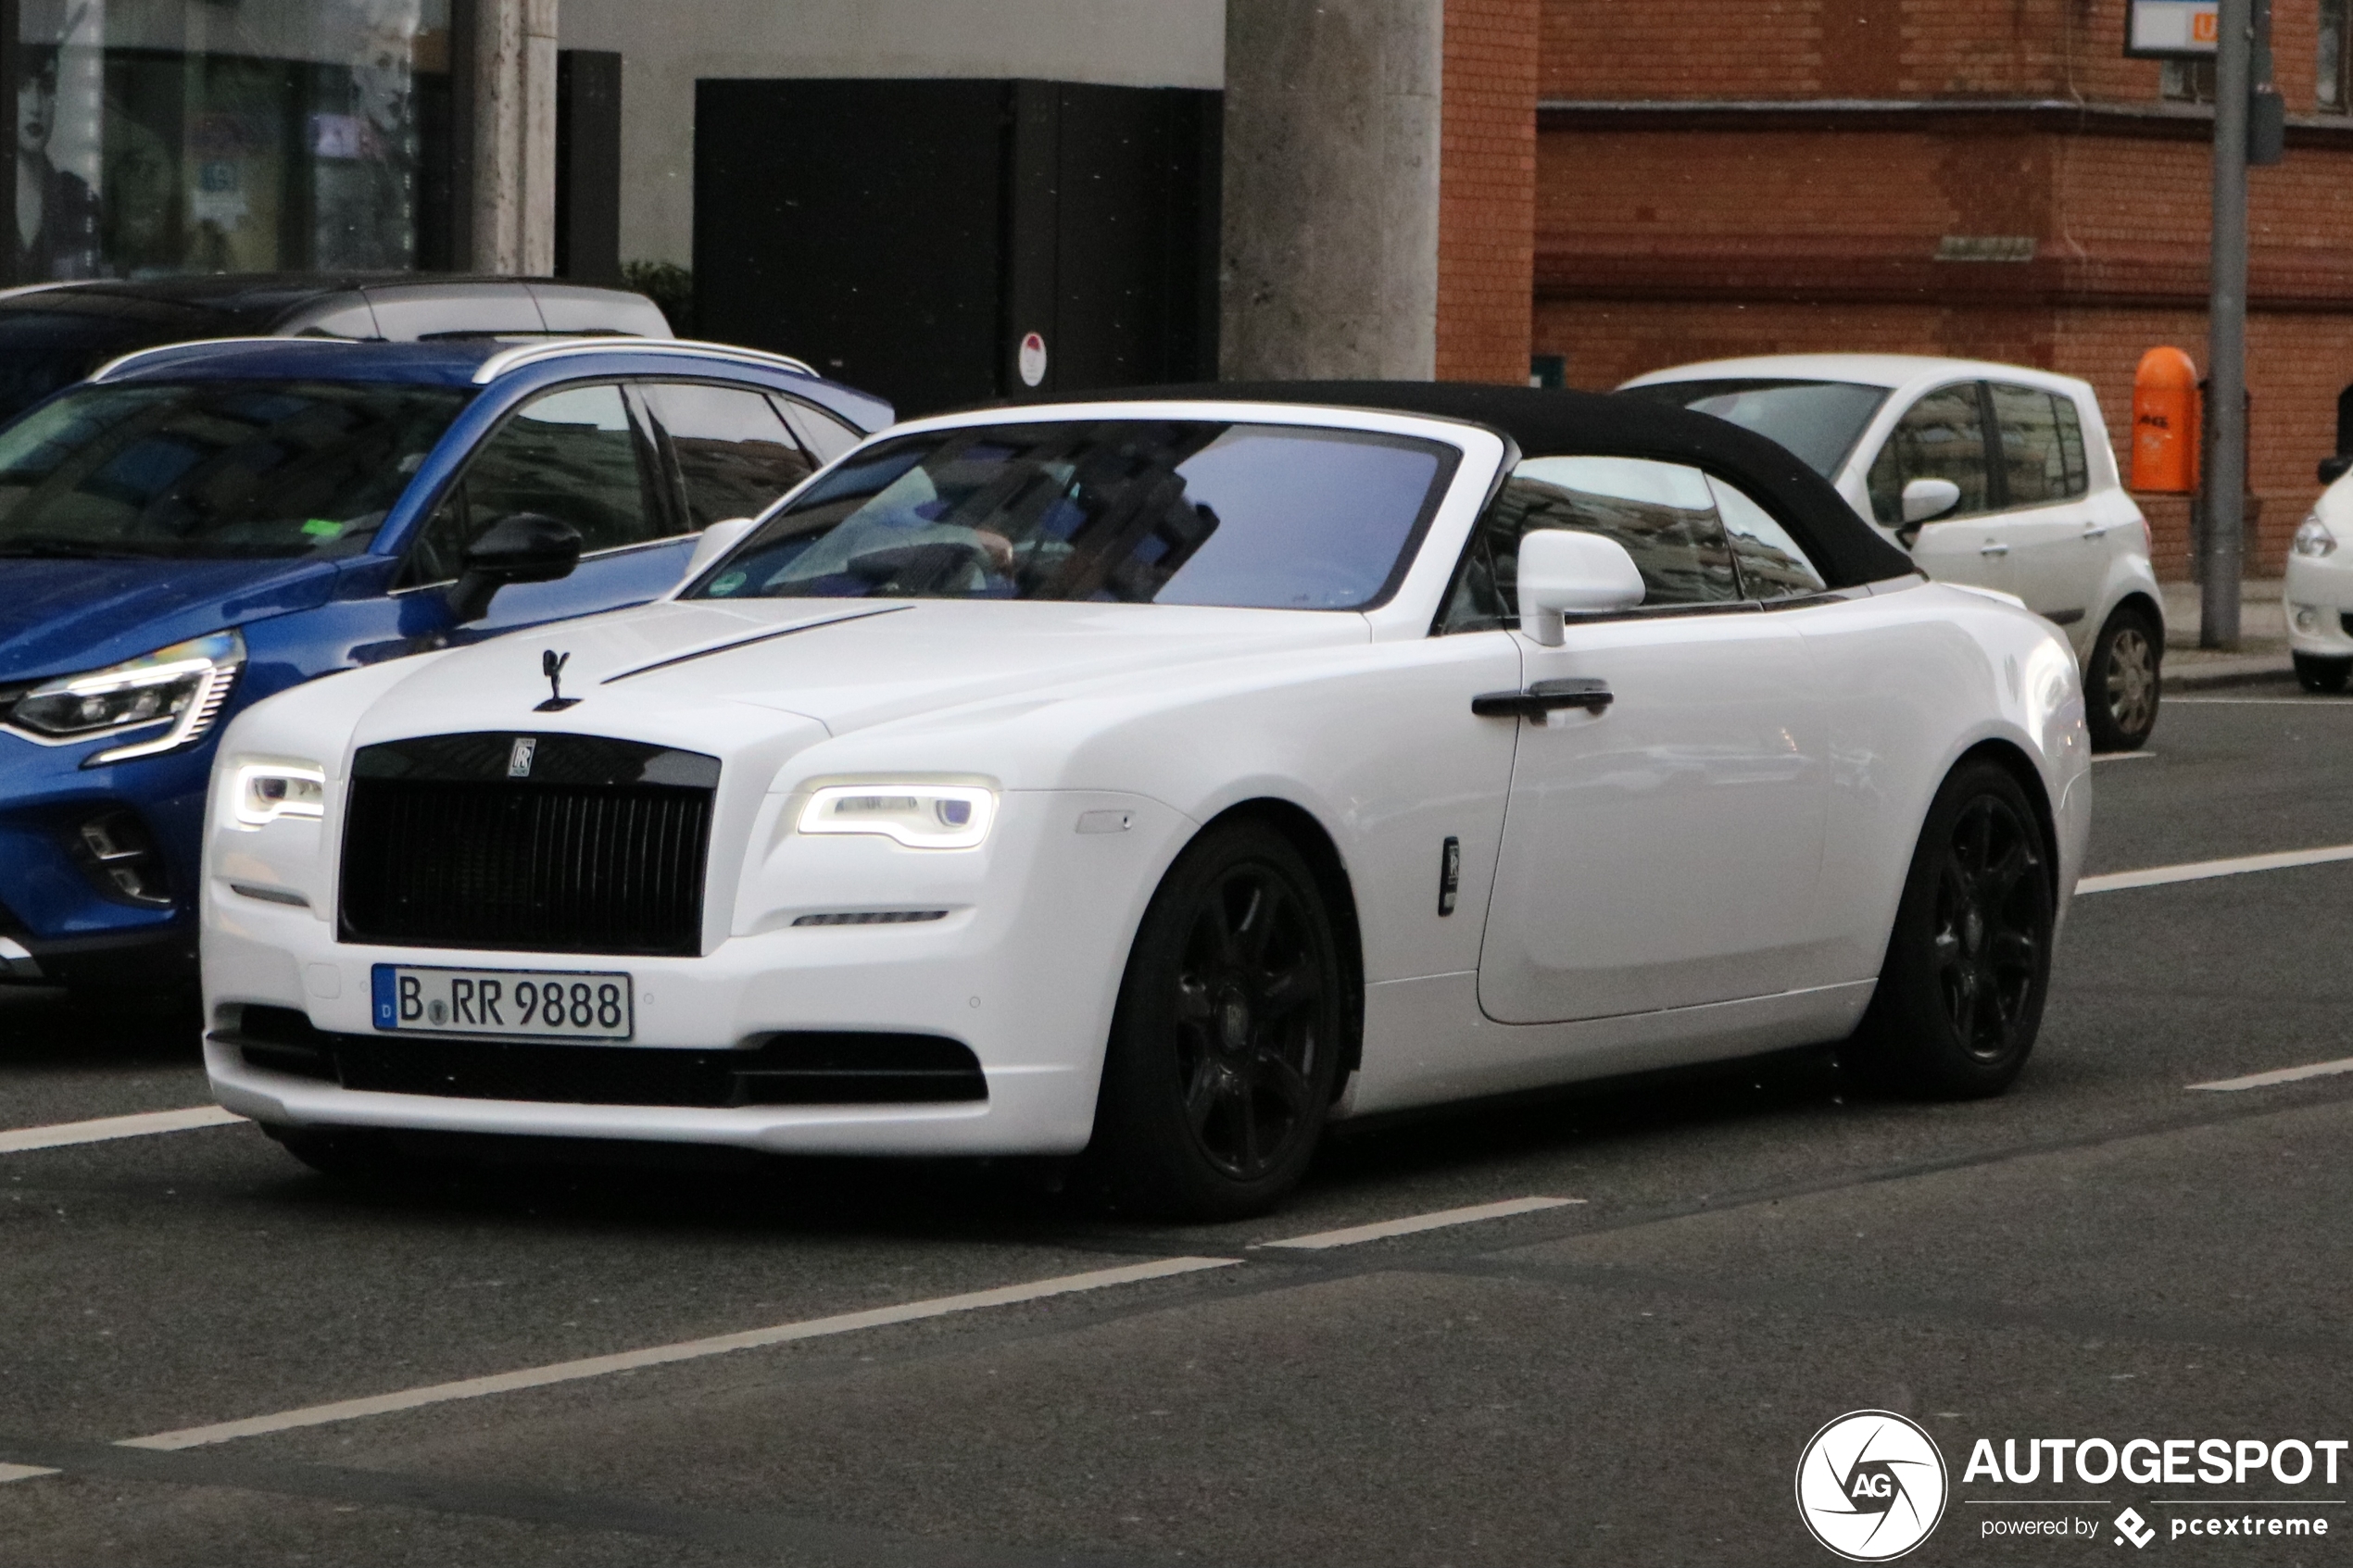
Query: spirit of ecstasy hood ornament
[{"x": 551, "y": 664}]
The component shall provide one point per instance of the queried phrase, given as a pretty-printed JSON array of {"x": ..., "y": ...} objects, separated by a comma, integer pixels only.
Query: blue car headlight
[{"x": 183, "y": 686}]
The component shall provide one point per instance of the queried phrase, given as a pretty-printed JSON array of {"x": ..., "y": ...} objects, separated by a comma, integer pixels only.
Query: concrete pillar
[
  {"x": 515, "y": 137},
  {"x": 1329, "y": 262}
]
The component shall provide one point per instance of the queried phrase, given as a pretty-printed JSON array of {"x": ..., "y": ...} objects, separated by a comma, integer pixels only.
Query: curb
[{"x": 2211, "y": 674}]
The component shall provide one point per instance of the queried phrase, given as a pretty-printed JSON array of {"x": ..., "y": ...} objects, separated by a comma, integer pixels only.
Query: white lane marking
[
  {"x": 2198, "y": 871},
  {"x": 22, "y": 1473},
  {"x": 17, "y": 1140},
  {"x": 659, "y": 1355},
  {"x": 1414, "y": 1222},
  {"x": 2261, "y": 702},
  {"x": 2121, "y": 756},
  {"x": 2282, "y": 1075}
]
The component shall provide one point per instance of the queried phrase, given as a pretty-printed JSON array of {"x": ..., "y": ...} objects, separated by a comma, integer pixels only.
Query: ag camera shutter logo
[{"x": 1871, "y": 1486}]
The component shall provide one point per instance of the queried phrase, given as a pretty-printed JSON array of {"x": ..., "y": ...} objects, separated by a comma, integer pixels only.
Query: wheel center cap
[{"x": 1233, "y": 1022}]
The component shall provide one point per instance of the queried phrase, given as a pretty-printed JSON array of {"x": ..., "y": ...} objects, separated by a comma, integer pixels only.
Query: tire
[
  {"x": 1968, "y": 962},
  {"x": 2326, "y": 675},
  {"x": 1227, "y": 1039},
  {"x": 2120, "y": 689},
  {"x": 357, "y": 1155}
]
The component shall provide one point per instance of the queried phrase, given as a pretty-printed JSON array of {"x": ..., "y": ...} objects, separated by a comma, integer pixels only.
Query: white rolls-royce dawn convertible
[{"x": 1159, "y": 780}]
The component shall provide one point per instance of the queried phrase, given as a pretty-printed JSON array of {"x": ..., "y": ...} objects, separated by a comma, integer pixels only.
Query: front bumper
[
  {"x": 2317, "y": 597},
  {"x": 54, "y": 909},
  {"x": 1025, "y": 975}
]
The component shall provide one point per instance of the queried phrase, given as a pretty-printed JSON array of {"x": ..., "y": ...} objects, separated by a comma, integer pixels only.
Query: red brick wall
[
  {"x": 1615, "y": 49},
  {"x": 1487, "y": 190}
]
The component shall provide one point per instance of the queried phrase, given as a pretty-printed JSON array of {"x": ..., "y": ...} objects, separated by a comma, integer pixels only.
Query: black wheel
[
  {"x": 1226, "y": 1037},
  {"x": 2121, "y": 688},
  {"x": 348, "y": 1154},
  {"x": 2317, "y": 674},
  {"x": 1960, "y": 993}
]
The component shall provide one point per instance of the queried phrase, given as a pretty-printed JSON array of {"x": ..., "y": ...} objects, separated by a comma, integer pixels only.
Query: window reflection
[
  {"x": 1942, "y": 436},
  {"x": 163, "y": 136}
]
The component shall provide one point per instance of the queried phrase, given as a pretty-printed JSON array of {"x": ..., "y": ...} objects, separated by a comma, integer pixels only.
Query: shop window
[
  {"x": 2330, "y": 93},
  {"x": 165, "y": 136}
]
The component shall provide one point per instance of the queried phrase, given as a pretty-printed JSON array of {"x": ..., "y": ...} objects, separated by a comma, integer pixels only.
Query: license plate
[{"x": 535, "y": 1004}]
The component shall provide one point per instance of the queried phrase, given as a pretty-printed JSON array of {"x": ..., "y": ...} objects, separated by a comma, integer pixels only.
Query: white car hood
[{"x": 702, "y": 674}]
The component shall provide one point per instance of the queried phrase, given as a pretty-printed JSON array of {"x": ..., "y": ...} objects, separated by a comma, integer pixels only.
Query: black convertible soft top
[{"x": 1548, "y": 423}]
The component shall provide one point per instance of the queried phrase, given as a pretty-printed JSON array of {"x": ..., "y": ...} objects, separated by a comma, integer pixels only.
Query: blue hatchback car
[{"x": 200, "y": 526}]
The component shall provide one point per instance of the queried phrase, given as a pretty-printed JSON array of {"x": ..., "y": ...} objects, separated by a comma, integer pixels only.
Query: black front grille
[
  {"x": 787, "y": 1069},
  {"x": 552, "y": 844}
]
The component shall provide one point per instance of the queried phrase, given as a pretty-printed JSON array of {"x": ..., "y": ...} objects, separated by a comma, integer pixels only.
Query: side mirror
[
  {"x": 2335, "y": 468},
  {"x": 1563, "y": 571},
  {"x": 526, "y": 548},
  {"x": 716, "y": 541},
  {"x": 1925, "y": 500}
]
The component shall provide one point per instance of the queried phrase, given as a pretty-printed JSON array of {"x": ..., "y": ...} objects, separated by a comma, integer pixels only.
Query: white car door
[
  {"x": 1661, "y": 849},
  {"x": 1942, "y": 435},
  {"x": 2059, "y": 548}
]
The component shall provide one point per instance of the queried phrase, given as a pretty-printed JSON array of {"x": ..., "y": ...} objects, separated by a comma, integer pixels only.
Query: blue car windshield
[
  {"x": 1135, "y": 512},
  {"x": 214, "y": 469}
]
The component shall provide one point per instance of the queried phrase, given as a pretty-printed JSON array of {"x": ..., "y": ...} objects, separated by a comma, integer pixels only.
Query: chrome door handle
[
  {"x": 1994, "y": 550},
  {"x": 1542, "y": 697},
  {"x": 2093, "y": 533}
]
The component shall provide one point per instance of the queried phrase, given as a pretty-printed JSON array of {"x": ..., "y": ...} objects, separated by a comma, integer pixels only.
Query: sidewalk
[{"x": 2262, "y": 652}]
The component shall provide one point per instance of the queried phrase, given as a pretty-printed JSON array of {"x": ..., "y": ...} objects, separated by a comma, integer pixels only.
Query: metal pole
[{"x": 2226, "y": 351}]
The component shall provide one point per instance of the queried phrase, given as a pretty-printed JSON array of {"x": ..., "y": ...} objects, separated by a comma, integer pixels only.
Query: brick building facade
[
  {"x": 1487, "y": 188},
  {"x": 1896, "y": 175}
]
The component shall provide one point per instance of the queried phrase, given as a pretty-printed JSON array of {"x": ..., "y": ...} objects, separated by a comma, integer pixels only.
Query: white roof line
[
  {"x": 123, "y": 362},
  {"x": 499, "y": 364}
]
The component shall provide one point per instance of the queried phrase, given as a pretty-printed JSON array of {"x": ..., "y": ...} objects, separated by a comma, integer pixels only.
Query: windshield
[
  {"x": 1197, "y": 512},
  {"x": 214, "y": 469},
  {"x": 1819, "y": 420}
]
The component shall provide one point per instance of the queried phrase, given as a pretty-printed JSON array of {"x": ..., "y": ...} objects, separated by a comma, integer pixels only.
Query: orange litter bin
[{"x": 2165, "y": 416}]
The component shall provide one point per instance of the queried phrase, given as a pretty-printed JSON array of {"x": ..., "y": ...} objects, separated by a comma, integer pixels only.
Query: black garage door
[{"x": 909, "y": 236}]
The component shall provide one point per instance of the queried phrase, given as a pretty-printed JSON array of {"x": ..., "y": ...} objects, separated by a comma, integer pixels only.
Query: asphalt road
[{"x": 1629, "y": 1378}]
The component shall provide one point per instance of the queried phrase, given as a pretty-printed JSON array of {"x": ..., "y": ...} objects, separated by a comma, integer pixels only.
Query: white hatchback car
[
  {"x": 2319, "y": 590},
  {"x": 1995, "y": 475}
]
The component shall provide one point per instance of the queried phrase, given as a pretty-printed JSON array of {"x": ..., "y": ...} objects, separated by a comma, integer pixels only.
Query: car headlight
[
  {"x": 921, "y": 816},
  {"x": 2314, "y": 539},
  {"x": 184, "y": 686},
  {"x": 262, "y": 789}
]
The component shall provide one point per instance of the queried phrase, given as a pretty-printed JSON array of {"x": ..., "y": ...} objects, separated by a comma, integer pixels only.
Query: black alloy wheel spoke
[
  {"x": 1291, "y": 990},
  {"x": 1964, "y": 1004},
  {"x": 1980, "y": 855},
  {"x": 2015, "y": 949},
  {"x": 2002, "y": 876},
  {"x": 1286, "y": 1081},
  {"x": 1246, "y": 1125},
  {"x": 1203, "y": 1090},
  {"x": 1217, "y": 922},
  {"x": 1256, "y": 927}
]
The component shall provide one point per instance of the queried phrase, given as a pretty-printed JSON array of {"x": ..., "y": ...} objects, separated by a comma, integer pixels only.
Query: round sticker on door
[{"x": 1032, "y": 359}]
